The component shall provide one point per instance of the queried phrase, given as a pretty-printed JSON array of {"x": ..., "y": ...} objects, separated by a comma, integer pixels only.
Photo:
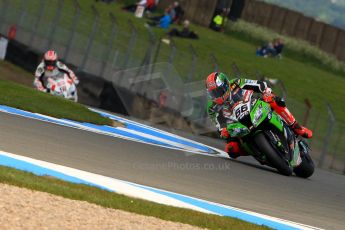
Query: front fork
[
  {"x": 290, "y": 153},
  {"x": 261, "y": 158}
]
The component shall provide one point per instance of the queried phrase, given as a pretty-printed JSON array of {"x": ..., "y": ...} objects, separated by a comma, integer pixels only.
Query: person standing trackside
[{"x": 219, "y": 21}]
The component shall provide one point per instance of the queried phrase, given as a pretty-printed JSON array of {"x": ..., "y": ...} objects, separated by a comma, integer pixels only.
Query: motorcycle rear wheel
[
  {"x": 306, "y": 168},
  {"x": 274, "y": 159}
]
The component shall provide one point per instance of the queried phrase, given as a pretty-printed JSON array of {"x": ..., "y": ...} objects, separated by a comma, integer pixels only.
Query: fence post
[
  {"x": 282, "y": 26},
  {"x": 336, "y": 42},
  {"x": 279, "y": 83},
  {"x": 314, "y": 128},
  {"x": 91, "y": 38},
  {"x": 110, "y": 44},
  {"x": 74, "y": 28},
  {"x": 307, "y": 112},
  {"x": 150, "y": 49},
  {"x": 170, "y": 59},
  {"x": 215, "y": 62},
  {"x": 23, "y": 12},
  {"x": 3, "y": 12},
  {"x": 39, "y": 18},
  {"x": 282, "y": 86},
  {"x": 328, "y": 135},
  {"x": 131, "y": 44},
  {"x": 193, "y": 65},
  {"x": 298, "y": 21},
  {"x": 155, "y": 58},
  {"x": 236, "y": 70},
  {"x": 55, "y": 23},
  {"x": 146, "y": 66},
  {"x": 258, "y": 75},
  {"x": 114, "y": 59},
  {"x": 157, "y": 50},
  {"x": 336, "y": 147}
]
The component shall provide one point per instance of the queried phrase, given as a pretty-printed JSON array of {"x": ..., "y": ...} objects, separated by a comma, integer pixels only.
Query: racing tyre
[
  {"x": 306, "y": 168},
  {"x": 274, "y": 159}
]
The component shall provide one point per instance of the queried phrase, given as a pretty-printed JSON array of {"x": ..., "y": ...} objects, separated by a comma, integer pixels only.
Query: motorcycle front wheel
[{"x": 264, "y": 146}]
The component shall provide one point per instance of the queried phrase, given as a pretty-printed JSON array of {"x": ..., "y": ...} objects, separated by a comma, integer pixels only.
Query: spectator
[
  {"x": 148, "y": 4},
  {"x": 164, "y": 22},
  {"x": 278, "y": 46},
  {"x": 219, "y": 20},
  {"x": 171, "y": 11},
  {"x": 175, "y": 11},
  {"x": 133, "y": 7},
  {"x": 271, "y": 49},
  {"x": 179, "y": 12},
  {"x": 184, "y": 33},
  {"x": 266, "y": 50}
]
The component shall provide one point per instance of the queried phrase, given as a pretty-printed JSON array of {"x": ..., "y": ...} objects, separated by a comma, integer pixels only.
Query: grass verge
[
  {"x": 112, "y": 200},
  {"x": 22, "y": 97},
  {"x": 298, "y": 49},
  {"x": 301, "y": 66}
]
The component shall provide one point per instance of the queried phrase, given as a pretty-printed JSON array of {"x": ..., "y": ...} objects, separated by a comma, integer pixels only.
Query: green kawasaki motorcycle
[{"x": 266, "y": 136}]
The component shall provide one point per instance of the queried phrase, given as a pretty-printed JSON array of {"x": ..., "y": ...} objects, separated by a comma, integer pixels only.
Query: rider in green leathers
[{"x": 219, "y": 89}]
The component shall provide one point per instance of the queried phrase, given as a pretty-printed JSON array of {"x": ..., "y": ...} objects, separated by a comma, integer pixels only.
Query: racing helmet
[
  {"x": 50, "y": 60},
  {"x": 217, "y": 86}
]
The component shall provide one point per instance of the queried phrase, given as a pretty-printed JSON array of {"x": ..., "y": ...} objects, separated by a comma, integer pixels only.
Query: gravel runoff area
[{"x": 22, "y": 208}]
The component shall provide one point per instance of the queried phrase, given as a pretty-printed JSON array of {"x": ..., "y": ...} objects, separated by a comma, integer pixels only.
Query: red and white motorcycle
[{"x": 61, "y": 85}]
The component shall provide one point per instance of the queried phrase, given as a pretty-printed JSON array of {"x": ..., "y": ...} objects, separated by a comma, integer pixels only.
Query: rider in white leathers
[{"x": 49, "y": 67}]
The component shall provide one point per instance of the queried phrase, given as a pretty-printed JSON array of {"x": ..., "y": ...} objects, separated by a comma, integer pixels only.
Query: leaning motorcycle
[
  {"x": 266, "y": 136},
  {"x": 61, "y": 85}
]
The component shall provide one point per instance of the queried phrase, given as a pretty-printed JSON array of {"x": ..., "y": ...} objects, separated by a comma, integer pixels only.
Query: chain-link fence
[{"x": 138, "y": 63}]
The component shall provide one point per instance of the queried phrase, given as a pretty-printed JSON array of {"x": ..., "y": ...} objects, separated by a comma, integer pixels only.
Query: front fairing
[
  {"x": 259, "y": 112},
  {"x": 237, "y": 129},
  {"x": 63, "y": 86},
  {"x": 237, "y": 109}
]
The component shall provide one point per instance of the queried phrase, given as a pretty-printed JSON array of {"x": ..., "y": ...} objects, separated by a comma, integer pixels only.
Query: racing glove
[
  {"x": 39, "y": 86},
  {"x": 74, "y": 78},
  {"x": 76, "y": 81},
  {"x": 268, "y": 96},
  {"x": 224, "y": 133}
]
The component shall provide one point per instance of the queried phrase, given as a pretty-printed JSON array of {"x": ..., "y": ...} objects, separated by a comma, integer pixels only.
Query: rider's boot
[
  {"x": 234, "y": 149},
  {"x": 301, "y": 130},
  {"x": 279, "y": 106}
]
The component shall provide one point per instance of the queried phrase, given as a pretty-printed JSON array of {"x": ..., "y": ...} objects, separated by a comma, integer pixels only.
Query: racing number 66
[{"x": 241, "y": 111}]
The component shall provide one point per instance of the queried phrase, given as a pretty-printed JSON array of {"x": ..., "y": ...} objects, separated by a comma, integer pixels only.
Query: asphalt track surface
[{"x": 318, "y": 201}]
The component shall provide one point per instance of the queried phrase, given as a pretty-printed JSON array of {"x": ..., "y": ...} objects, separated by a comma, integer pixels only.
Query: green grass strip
[
  {"x": 112, "y": 200},
  {"x": 25, "y": 98}
]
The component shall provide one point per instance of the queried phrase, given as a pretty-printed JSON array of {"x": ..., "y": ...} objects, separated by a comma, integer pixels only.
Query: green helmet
[{"x": 217, "y": 86}]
